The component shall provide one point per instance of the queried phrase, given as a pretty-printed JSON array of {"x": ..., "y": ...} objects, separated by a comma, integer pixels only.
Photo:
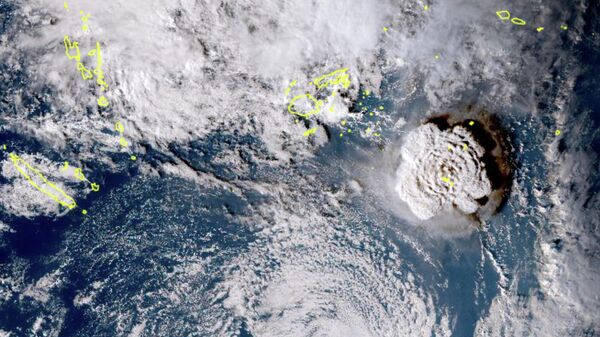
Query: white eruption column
[{"x": 441, "y": 171}]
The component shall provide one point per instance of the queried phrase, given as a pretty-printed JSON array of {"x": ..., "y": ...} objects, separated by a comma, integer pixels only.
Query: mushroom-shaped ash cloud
[{"x": 441, "y": 170}]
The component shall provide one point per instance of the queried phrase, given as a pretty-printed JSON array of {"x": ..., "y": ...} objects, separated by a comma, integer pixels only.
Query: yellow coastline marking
[
  {"x": 448, "y": 181},
  {"x": 336, "y": 77},
  {"x": 564, "y": 27},
  {"x": 123, "y": 142},
  {"x": 518, "y": 21},
  {"x": 437, "y": 56},
  {"x": 98, "y": 70},
  {"x": 84, "y": 212},
  {"x": 133, "y": 157},
  {"x": 95, "y": 187},
  {"x": 310, "y": 132},
  {"x": 557, "y": 132},
  {"x": 385, "y": 29},
  {"x": 471, "y": 123},
  {"x": 86, "y": 74},
  {"x": 503, "y": 15},
  {"x": 539, "y": 29},
  {"x": 287, "y": 90},
  {"x": 315, "y": 110},
  {"x": 66, "y": 6},
  {"x": 84, "y": 19},
  {"x": 465, "y": 147},
  {"x": 79, "y": 174},
  {"x": 70, "y": 46},
  {"x": 333, "y": 78},
  {"x": 425, "y": 7},
  {"x": 16, "y": 160},
  {"x": 119, "y": 127},
  {"x": 102, "y": 101}
]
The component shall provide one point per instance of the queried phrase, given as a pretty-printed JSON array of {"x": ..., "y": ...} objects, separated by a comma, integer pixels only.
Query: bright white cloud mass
[
  {"x": 246, "y": 226},
  {"x": 440, "y": 169}
]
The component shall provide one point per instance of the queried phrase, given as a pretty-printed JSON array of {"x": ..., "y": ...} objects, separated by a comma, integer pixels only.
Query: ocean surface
[{"x": 243, "y": 247}]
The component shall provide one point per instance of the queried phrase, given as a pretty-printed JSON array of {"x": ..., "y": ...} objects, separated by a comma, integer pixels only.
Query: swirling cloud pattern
[{"x": 441, "y": 170}]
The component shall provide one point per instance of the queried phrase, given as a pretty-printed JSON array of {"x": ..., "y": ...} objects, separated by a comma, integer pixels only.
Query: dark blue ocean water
[{"x": 139, "y": 228}]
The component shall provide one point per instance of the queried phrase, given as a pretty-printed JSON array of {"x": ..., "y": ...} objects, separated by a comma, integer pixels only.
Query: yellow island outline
[
  {"x": 448, "y": 181},
  {"x": 318, "y": 104},
  {"x": 333, "y": 78},
  {"x": 16, "y": 160}
]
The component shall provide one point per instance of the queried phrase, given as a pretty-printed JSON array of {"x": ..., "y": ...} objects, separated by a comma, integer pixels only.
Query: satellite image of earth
[{"x": 266, "y": 168}]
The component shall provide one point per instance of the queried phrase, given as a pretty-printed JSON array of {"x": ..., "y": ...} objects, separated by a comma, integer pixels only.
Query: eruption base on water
[{"x": 452, "y": 167}]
